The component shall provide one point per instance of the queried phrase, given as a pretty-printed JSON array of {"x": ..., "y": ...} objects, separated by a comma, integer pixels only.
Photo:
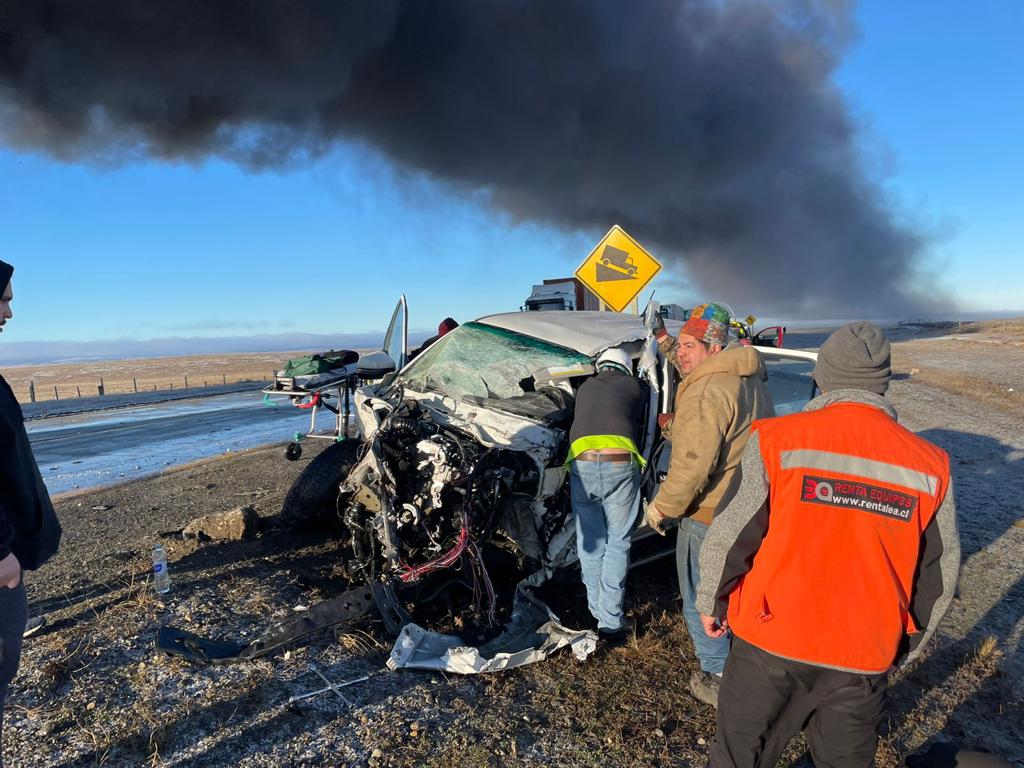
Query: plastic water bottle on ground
[{"x": 161, "y": 581}]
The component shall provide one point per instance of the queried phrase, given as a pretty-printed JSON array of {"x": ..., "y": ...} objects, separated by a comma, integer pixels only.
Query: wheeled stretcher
[{"x": 314, "y": 392}]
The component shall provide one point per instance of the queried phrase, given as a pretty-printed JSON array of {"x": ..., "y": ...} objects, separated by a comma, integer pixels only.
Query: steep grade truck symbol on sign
[
  {"x": 615, "y": 264},
  {"x": 617, "y": 269}
]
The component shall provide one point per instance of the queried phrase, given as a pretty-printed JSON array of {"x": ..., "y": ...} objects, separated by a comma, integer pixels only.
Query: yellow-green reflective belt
[{"x": 595, "y": 442}]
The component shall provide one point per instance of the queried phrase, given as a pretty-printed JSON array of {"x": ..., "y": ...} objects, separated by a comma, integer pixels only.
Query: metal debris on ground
[
  {"x": 346, "y": 607},
  {"x": 330, "y": 687}
]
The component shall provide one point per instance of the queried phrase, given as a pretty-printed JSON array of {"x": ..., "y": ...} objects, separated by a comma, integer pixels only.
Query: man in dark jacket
[
  {"x": 29, "y": 531},
  {"x": 605, "y": 467},
  {"x": 834, "y": 561}
]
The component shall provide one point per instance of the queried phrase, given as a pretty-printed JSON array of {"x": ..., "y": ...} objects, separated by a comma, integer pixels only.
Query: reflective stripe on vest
[
  {"x": 884, "y": 472},
  {"x": 851, "y": 492}
]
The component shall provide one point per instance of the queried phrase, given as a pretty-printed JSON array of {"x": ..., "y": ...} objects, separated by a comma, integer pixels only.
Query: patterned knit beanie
[{"x": 708, "y": 323}]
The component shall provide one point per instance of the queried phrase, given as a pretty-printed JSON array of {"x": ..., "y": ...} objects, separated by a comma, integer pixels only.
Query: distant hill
[{"x": 38, "y": 352}]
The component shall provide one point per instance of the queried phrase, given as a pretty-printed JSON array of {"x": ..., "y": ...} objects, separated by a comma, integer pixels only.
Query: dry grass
[
  {"x": 103, "y": 689},
  {"x": 66, "y": 684},
  {"x": 947, "y": 371},
  {"x": 1004, "y": 331},
  {"x": 974, "y": 689},
  {"x": 628, "y": 706},
  {"x": 974, "y": 387},
  {"x": 158, "y": 373},
  {"x": 1008, "y": 331}
]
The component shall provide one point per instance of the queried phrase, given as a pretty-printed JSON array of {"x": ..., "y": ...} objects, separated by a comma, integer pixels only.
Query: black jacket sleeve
[
  {"x": 6, "y": 534},
  {"x": 937, "y": 572},
  {"x": 28, "y": 523},
  {"x": 6, "y": 462}
]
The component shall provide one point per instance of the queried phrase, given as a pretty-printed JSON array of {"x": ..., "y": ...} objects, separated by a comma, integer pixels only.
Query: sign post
[{"x": 618, "y": 269}]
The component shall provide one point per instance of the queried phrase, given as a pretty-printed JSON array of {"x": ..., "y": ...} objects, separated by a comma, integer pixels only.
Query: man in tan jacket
[{"x": 723, "y": 391}]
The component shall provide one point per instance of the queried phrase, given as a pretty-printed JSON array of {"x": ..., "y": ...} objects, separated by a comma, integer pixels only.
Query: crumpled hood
[{"x": 738, "y": 361}]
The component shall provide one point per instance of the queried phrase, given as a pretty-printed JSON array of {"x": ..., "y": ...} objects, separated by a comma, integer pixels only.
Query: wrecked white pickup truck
[{"x": 452, "y": 498}]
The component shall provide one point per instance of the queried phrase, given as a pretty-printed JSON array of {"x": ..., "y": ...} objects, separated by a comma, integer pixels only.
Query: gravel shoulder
[{"x": 93, "y": 691}]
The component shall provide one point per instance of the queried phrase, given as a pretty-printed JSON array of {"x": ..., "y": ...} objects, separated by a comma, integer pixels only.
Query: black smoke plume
[{"x": 712, "y": 130}]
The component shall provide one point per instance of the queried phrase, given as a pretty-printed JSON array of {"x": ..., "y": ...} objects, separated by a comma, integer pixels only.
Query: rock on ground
[{"x": 238, "y": 524}]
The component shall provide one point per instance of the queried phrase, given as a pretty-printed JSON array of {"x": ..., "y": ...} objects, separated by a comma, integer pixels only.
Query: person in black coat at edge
[{"x": 29, "y": 529}]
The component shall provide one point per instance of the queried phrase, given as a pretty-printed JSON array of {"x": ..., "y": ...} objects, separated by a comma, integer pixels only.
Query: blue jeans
[
  {"x": 605, "y": 498},
  {"x": 711, "y": 651}
]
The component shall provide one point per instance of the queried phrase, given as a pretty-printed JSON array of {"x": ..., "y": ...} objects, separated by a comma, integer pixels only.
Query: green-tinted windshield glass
[{"x": 477, "y": 359}]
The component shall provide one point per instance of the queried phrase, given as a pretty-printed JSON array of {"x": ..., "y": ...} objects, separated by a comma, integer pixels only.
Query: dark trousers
[
  {"x": 13, "y": 615},
  {"x": 765, "y": 700}
]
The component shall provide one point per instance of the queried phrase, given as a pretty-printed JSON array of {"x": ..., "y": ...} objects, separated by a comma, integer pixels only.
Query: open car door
[
  {"x": 396, "y": 340},
  {"x": 769, "y": 337}
]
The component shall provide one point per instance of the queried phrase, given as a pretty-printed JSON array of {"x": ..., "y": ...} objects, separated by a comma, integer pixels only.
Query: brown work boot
[{"x": 704, "y": 687}]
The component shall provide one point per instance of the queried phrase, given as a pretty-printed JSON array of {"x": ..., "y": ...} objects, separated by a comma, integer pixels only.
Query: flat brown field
[
  {"x": 983, "y": 361},
  {"x": 154, "y": 373},
  {"x": 1008, "y": 331}
]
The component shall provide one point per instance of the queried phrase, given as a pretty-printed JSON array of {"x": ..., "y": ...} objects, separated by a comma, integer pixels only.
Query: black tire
[
  {"x": 293, "y": 451},
  {"x": 312, "y": 500}
]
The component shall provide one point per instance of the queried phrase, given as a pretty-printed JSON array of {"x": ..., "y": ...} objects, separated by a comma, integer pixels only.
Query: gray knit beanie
[{"x": 854, "y": 357}]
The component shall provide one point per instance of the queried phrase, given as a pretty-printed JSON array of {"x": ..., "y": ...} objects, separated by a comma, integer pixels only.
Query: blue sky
[
  {"x": 937, "y": 86},
  {"x": 153, "y": 249}
]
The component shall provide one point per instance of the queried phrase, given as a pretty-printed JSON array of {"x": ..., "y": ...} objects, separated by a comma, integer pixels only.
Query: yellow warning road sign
[{"x": 618, "y": 269}]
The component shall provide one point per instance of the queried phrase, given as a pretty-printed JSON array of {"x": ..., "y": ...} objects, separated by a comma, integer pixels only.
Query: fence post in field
[
  {"x": 186, "y": 382},
  {"x": 55, "y": 395},
  {"x": 31, "y": 391},
  {"x": 224, "y": 377},
  {"x": 135, "y": 384},
  {"x": 100, "y": 388},
  {"x": 78, "y": 390}
]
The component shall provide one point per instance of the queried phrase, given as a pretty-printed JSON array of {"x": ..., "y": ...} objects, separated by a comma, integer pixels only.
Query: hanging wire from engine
[
  {"x": 409, "y": 573},
  {"x": 477, "y": 564}
]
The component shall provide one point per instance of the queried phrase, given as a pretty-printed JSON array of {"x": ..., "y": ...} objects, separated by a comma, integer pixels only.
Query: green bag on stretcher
[{"x": 321, "y": 362}]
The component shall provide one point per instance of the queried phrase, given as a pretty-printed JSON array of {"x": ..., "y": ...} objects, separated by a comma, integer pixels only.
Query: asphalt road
[{"x": 100, "y": 447}]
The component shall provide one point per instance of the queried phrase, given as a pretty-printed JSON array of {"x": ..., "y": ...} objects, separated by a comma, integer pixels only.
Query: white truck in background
[
  {"x": 544, "y": 298},
  {"x": 560, "y": 294}
]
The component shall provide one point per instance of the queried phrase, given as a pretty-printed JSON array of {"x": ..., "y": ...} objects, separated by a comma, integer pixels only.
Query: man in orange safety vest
[{"x": 834, "y": 561}]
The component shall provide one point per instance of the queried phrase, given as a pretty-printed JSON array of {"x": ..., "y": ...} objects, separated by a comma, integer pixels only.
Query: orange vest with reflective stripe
[{"x": 851, "y": 495}]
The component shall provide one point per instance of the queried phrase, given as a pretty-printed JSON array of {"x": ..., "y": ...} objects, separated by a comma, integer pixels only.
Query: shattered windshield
[{"x": 480, "y": 360}]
